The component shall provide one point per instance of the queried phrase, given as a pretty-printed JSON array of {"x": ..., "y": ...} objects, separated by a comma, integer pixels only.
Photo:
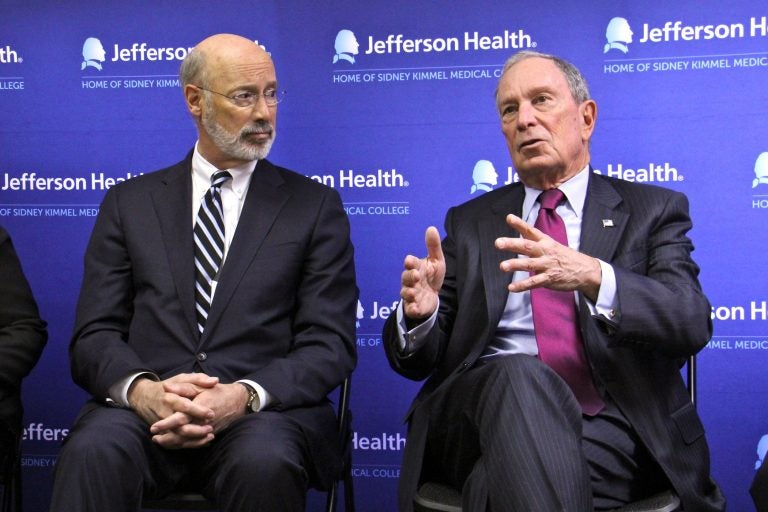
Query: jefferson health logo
[
  {"x": 95, "y": 55},
  {"x": 761, "y": 170},
  {"x": 618, "y": 35},
  {"x": 762, "y": 449},
  {"x": 760, "y": 182},
  {"x": 484, "y": 177},
  {"x": 346, "y": 46}
]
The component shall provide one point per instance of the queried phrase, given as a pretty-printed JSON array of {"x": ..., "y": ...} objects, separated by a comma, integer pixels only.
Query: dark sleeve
[
  {"x": 22, "y": 332},
  {"x": 99, "y": 352},
  {"x": 323, "y": 351},
  {"x": 662, "y": 304}
]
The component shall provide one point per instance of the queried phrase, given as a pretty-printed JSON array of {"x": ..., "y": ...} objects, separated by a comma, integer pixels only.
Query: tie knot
[
  {"x": 219, "y": 177},
  {"x": 549, "y": 199}
]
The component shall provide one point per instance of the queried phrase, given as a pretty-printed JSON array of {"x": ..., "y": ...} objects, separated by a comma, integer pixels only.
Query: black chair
[
  {"x": 189, "y": 500},
  {"x": 439, "y": 497},
  {"x": 10, "y": 469},
  {"x": 759, "y": 488}
]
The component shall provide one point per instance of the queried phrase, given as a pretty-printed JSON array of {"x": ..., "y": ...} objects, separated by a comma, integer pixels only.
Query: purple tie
[{"x": 555, "y": 320}]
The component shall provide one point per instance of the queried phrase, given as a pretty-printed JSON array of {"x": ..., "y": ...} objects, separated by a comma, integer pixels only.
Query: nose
[
  {"x": 526, "y": 115},
  {"x": 260, "y": 109}
]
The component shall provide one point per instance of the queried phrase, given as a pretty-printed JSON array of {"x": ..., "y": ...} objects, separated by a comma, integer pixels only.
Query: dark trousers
[
  {"x": 109, "y": 462},
  {"x": 510, "y": 433}
]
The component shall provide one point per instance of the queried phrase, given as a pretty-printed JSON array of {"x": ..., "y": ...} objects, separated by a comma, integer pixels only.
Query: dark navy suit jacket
[
  {"x": 284, "y": 310},
  {"x": 664, "y": 319}
]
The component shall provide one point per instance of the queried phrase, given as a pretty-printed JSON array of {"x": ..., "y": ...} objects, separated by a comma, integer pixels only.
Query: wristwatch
[{"x": 253, "y": 403}]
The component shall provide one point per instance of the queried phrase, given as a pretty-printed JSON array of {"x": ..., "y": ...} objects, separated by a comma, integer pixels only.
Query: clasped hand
[{"x": 187, "y": 410}]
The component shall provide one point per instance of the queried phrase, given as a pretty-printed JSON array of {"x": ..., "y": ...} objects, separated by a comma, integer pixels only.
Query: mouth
[
  {"x": 528, "y": 143},
  {"x": 258, "y": 137}
]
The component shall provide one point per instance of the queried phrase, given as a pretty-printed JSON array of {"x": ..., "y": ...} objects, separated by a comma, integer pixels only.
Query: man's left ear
[{"x": 588, "y": 113}]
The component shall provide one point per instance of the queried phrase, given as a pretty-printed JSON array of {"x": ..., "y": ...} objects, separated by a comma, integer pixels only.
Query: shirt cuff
[
  {"x": 607, "y": 304},
  {"x": 410, "y": 341},
  {"x": 265, "y": 399},
  {"x": 118, "y": 392}
]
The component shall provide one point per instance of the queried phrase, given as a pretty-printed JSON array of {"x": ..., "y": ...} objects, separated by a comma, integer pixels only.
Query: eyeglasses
[{"x": 247, "y": 99}]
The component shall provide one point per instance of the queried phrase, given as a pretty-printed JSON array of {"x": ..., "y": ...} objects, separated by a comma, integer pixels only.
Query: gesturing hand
[
  {"x": 551, "y": 264},
  {"x": 422, "y": 278}
]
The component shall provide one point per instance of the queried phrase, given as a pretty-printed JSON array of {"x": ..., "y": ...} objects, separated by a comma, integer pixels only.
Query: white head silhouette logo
[
  {"x": 93, "y": 54},
  {"x": 761, "y": 170},
  {"x": 484, "y": 177},
  {"x": 762, "y": 448},
  {"x": 360, "y": 312},
  {"x": 618, "y": 34},
  {"x": 346, "y": 46}
]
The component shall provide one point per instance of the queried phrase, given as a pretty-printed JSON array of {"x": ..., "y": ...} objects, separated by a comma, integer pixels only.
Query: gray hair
[
  {"x": 577, "y": 84},
  {"x": 193, "y": 69}
]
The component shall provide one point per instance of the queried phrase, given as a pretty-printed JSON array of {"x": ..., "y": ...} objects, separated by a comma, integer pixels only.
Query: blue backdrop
[{"x": 396, "y": 124}]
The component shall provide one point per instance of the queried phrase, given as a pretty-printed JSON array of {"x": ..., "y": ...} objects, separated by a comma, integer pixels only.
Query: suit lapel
[
  {"x": 604, "y": 222},
  {"x": 489, "y": 228},
  {"x": 173, "y": 205},
  {"x": 263, "y": 203}
]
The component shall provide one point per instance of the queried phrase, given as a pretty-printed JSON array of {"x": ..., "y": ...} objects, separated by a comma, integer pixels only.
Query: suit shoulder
[{"x": 150, "y": 180}]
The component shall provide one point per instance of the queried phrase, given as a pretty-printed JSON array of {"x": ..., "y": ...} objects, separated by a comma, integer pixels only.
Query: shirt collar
[
  {"x": 575, "y": 190},
  {"x": 202, "y": 170}
]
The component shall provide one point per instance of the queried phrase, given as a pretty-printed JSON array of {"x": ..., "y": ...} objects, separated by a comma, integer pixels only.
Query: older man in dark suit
[
  {"x": 217, "y": 312},
  {"x": 551, "y": 323}
]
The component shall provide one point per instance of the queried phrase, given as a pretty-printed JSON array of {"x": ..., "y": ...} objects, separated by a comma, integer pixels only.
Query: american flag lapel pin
[{"x": 607, "y": 223}]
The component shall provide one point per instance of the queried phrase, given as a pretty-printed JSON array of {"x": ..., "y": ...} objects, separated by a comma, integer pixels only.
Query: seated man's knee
[
  {"x": 100, "y": 439},
  {"x": 271, "y": 450}
]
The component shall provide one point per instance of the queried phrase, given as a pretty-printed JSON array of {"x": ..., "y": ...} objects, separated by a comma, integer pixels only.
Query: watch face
[{"x": 253, "y": 401}]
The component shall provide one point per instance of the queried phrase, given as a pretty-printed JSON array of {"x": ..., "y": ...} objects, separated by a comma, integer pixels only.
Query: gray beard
[{"x": 234, "y": 145}]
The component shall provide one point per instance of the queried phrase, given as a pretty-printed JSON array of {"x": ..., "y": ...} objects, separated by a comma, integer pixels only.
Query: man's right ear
[{"x": 193, "y": 97}]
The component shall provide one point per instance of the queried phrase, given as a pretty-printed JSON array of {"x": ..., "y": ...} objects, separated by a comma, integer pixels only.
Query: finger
[
  {"x": 411, "y": 262},
  {"x": 526, "y": 230},
  {"x": 180, "y": 425},
  {"x": 517, "y": 245},
  {"x": 534, "y": 281},
  {"x": 172, "y": 422},
  {"x": 195, "y": 410},
  {"x": 432, "y": 240},
  {"x": 197, "y": 379},
  {"x": 520, "y": 265},
  {"x": 185, "y": 389},
  {"x": 174, "y": 441},
  {"x": 410, "y": 278}
]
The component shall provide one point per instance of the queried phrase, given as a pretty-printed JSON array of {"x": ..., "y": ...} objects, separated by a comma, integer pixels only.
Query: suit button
[{"x": 202, "y": 356}]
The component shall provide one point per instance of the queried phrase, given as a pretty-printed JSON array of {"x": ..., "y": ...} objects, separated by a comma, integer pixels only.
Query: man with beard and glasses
[{"x": 216, "y": 313}]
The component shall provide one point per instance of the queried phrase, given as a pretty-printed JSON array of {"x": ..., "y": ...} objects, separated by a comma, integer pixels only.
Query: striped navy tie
[{"x": 209, "y": 245}]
